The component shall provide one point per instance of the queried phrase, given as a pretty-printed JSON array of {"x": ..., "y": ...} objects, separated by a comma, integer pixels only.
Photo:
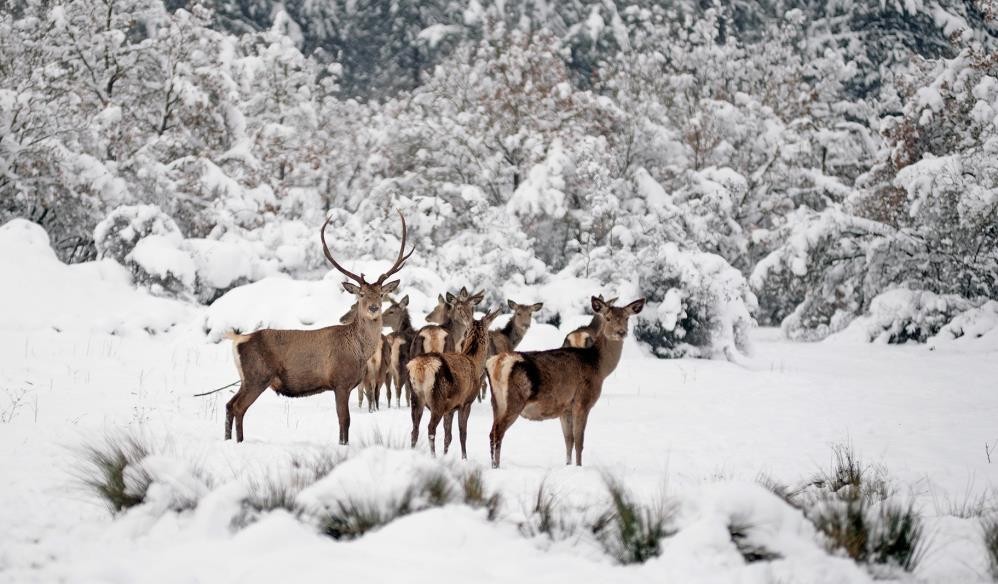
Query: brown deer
[
  {"x": 448, "y": 382},
  {"x": 584, "y": 335},
  {"x": 447, "y": 336},
  {"x": 439, "y": 313},
  {"x": 298, "y": 363},
  {"x": 375, "y": 370},
  {"x": 560, "y": 383},
  {"x": 507, "y": 338},
  {"x": 398, "y": 343}
]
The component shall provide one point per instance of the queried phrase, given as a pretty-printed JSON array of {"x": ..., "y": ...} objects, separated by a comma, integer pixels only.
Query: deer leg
[
  {"x": 369, "y": 391},
  {"x": 343, "y": 415},
  {"x": 566, "y": 429},
  {"x": 360, "y": 396},
  {"x": 448, "y": 424},
  {"x": 462, "y": 428},
  {"x": 241, "y": 402},
  {"x": 417, "y": 415},
  {"x": 580, "y": 415},
  {"x": 388, "y": 391},
  {"x": 431, "y": 431}
]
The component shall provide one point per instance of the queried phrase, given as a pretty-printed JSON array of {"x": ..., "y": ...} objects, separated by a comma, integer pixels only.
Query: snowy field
[{"x": 695, "y": 431}]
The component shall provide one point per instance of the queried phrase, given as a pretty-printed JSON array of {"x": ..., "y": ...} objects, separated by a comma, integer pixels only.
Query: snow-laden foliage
[{"x": 826, "y": 153}]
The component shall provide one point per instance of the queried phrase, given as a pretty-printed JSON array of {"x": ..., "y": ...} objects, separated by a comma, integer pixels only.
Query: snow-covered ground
[{"x": 698, "y": 431}]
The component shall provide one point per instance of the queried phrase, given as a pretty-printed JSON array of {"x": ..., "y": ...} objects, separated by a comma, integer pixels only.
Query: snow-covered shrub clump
[
  {"x": 148, "y": 242},
  {"x": 980, "y": 323},
  {"x": 900, "y": 315},
  {"x": 118, "y": 234},
  {"x": 699, "y": 305}
]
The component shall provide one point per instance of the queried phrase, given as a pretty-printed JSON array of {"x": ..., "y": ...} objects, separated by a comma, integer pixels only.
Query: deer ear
[
  {"x": 512, "y": 305},
  {"x": 440, "y": 299},
  {"x": 404, "y": 302},
  {"x": 537, "y": 307},
  {"x": 351, "y": 287},
  {"x": 612, "y": 300},
  {"x": 477, "y": 298},
  {"x": 449, "y": 298},
  {"x": 636, "y": 306},
  {"x": 598, "y": 304},
  {"x": 389, "y": 287}
]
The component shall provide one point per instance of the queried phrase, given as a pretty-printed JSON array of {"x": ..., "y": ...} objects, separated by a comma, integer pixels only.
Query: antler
[
  {"x": 402, "y": 257},
  {"x": 329, "y": 256}
]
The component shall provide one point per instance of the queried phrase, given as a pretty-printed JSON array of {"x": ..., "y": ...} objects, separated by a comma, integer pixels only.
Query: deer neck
[
  {"x": 609, "y": 352},
  {"x": 405, "y": 326},
  {"x": 477, "y": 348},
  {"x": 367, "y": 333},
  {"x": 514, "y": 333},
  {"x": 596, "y": 323},
  {"x": 456, "y": 330}
]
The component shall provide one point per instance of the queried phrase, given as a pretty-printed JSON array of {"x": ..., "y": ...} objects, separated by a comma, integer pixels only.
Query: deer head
[
  {"x": 462, "y": 306},
  {"x": 369, "y": 295},
  {"x": 477, "y": 337},
  {"x": 439, "y": 313},
  {"x": 523, "y": 313},
  {"x": 615, "y": 318},
  {"x": 396, "y": 312}
]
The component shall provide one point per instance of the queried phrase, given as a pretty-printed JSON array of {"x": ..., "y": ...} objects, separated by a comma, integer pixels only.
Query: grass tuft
[
  {"x": 272, "y": 492},
  {"x": 630, "y": 531},
  {"x": 546, "y": 517},
  {"x": 853, "y": 509},
  {"x": 110, "y": 470},
  {"x": 350, "y": 517},
  {"x": 989, "y": 528},
  {"x": 475, "y": 495},
  {"x": 740, "y": 532}
]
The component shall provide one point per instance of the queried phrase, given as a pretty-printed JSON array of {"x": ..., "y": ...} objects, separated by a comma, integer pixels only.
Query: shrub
[
  {"x": 630, "y": 531},
  {"x": 989, "y": 528},
  {"x": 109, "y": 470},
  {"x": 699, "y": 305},
  {"x": 740, "y": 533},
  {"x": 350, "y": 517},
  {"x": 852, "y": 508},
  {"x": 546, "y": 517}
]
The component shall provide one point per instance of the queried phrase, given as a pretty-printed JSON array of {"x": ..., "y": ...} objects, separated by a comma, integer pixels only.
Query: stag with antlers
[{"x": 297, "y": 363}]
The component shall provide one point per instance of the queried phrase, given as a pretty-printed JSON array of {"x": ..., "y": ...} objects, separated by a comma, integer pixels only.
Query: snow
[
  {"x": 96, "y": 297},
  {"x": 696, "y": 432}
]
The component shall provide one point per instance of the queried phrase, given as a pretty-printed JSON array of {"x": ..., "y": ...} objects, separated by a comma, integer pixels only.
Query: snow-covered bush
[
  {"x": 149, "y": 243},
  {"x": 968, "y": 326},
  {"x": 118, "y": 233},
  {"x": 901, "y": 315},
  {"x": 699, "y": 305}
]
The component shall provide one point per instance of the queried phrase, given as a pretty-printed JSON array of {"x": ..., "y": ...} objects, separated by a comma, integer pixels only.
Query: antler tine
[
  {"x": 329, "y": 256},
  {"x": 402, "y": 257}
]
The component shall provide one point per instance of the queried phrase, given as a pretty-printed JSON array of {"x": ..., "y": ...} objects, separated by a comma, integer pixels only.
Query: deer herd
[{"x": 441, "y": 367}]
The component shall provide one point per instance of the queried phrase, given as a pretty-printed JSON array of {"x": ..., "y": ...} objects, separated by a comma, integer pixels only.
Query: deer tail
[
  {"x": 499, "y": 369},
  {"x": 423, "y": 375}
]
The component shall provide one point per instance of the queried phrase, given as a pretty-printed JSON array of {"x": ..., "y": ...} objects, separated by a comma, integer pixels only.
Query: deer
[
  {"x": 446, "y": 337},
  {"x": 507, "y": 338},
  {"x": 439, "y": 313},
  {"x": 560, "y": 383},
  {"x": 446, "y": 383},
  {"x": 375, "y": 370},
  {"x": 397, "y": 346},
  {"x": 298, "y": 363},
  {"x": 584, "y": 335}
]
